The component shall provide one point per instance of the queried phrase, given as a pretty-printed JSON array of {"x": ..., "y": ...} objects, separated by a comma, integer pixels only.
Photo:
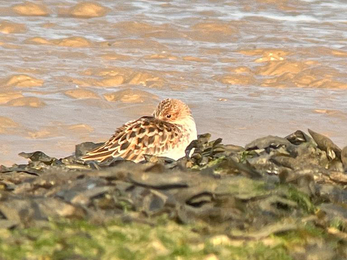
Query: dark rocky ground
[{"x": 275, "y": 198}]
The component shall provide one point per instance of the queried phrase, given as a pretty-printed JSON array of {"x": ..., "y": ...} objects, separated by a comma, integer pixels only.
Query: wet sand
[{"x": 73, "y": 73}]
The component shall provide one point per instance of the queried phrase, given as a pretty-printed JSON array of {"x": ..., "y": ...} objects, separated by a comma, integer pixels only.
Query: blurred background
[{"x": 73, "y": 71}]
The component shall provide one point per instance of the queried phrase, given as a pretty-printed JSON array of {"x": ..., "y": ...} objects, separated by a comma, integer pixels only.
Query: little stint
[{"x": 166, "y": 133}]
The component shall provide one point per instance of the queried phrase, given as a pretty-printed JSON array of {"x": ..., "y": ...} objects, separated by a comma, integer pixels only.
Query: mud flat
[{"x": 275, "y": 198}]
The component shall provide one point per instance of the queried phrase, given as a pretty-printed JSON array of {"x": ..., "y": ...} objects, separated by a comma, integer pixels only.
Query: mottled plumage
[{"x": 167, "y": 133}]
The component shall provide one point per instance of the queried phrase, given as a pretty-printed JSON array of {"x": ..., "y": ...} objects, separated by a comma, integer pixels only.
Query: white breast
[{"x": 179, "y": 151}]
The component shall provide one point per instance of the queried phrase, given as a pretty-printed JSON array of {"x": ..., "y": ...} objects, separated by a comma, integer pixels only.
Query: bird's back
[{"x": 146, "y": 135}]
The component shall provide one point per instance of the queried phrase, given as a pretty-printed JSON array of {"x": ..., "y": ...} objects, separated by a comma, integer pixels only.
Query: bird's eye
[{"x": 168, "y": 116}]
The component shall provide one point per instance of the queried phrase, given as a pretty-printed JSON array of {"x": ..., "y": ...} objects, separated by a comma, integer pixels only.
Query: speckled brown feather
[{"x": 147, "y": 135}]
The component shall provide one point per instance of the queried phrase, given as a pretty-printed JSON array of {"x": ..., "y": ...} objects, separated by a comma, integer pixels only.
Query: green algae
[
  {"x": 242, "y": 187},
  {"x": 244, "y": 155},
  {"x": 301, "y": 198},
  {"x": 115, "y": 240},
  {"x": 339, "y": 224}
]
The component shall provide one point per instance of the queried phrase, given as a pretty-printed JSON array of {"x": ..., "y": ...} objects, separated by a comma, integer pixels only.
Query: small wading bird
[{"x": 167, "y": 133}]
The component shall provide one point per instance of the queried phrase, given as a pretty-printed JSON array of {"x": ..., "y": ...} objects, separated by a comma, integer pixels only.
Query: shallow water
[{"x": 246, "y": 68}]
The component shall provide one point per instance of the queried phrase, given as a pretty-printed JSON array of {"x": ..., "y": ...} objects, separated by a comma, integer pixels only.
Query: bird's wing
[{"x": 146, "y": 135}]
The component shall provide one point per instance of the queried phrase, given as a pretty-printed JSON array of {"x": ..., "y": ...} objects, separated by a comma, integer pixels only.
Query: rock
[
  {"x": 278, "y": 189},
  {"x": 344, "y": 158},
  {"x": 325, "y": 144},
  {"x": 298, "y": 137}
]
